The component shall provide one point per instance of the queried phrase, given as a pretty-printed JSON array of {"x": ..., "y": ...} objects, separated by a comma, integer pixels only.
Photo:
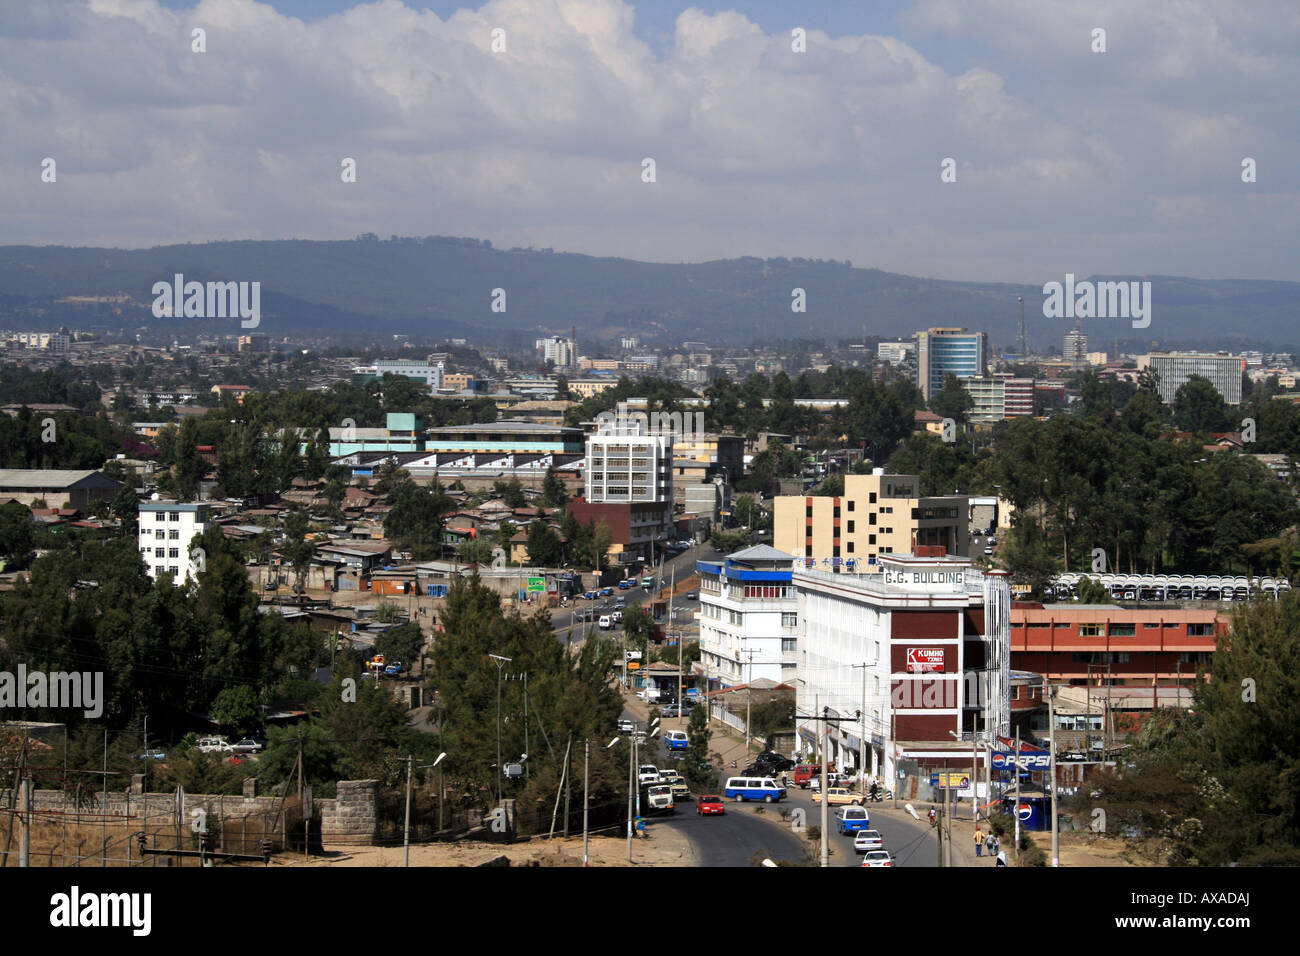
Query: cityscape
[{"x": 673, "y": 542}]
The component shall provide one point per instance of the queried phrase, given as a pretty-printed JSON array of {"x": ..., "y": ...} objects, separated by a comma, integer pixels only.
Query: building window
[
  {"x": 789, "y": 619},
  {"x": 174, "y": 515},
  {"x": 160, "y": 552},
  {"x": 1090, "y": 630},
  {"x": 1200, "y": 630},
  {"x": 173, "y": 569},
  {"x": 1123, "y": 630},
  {"x": 851, "y": 547},
  {"x": 789, "y": 644},
  {"x": 174, "y": 534},
  {"x": 850, "y": 527},
  {"x": 160, "y": 535},
  {"x": 871, "y": 539},
  {"x": 871, "y": 518},
  {"x": 173, "y": 552},
  {"x": 852, "y": 502},
  {"x": 871, "y": 498}
]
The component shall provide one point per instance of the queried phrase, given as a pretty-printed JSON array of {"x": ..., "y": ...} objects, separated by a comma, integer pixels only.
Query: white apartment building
[
  {"x": 557, "y": 350},
  {"x": 749, "y": 623},
  {"x": 904, "y": 659},
  {"x": 627, "y": 464},
  {"x": 167, "y": 529}
]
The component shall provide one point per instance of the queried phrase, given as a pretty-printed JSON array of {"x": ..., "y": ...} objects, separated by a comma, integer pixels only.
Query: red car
[{"x": 710, "y": 804}]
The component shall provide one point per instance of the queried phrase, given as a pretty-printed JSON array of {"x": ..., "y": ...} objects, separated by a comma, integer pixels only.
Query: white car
[
  {"x": 210, "y": 745},
  {"x": 605, "y": 623},
  {"x": 867, "y": 840},
  {"x": 877, "y": 858}
]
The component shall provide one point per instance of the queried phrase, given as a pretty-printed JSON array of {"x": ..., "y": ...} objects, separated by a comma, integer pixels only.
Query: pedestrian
[
  {"x": 979, "y": 841},
  {"x": 1002, "y": 858},
  {"x": 991, "y": 844}
]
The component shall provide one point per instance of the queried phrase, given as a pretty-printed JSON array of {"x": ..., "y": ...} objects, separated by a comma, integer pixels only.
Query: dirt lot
[{"x": 664, "y": 848}]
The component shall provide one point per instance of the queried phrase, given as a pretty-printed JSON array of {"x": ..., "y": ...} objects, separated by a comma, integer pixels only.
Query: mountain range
[{"x": 440, "y": 287}]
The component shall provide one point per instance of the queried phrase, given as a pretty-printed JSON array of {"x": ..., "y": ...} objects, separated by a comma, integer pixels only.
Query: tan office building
[{"x": 877, "y": 514}]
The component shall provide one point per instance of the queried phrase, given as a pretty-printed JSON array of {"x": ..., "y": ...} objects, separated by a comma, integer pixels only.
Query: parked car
[
  {"x": 590, "y": 595},
  {"x": 710, "y": 805},
  {"x": 877, "y": 858},
  {"x": 210, "y": 745},
  {"x": 833, "y": 779},
  {"x": 676, "y": 710},
  {"x": 838, "y": 796},
  {"x": 605, "y": 623},
  {"x": 606, "y": 592},
  {"x": 773, "y": 762},
  {"x": 246, "y": 746},
  {"x": 393, "y": 669},
  {"x": 617, "y": 617},
  {"x": 626, "y": 727},
  {"x": 867, "y": 840},
  {"x": 624, "y": 584},
  {"x": 151, "y": 755}
]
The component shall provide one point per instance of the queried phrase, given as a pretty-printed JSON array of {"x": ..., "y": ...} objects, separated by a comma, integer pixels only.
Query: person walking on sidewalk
[
  {"x": 1002, "y": 858},
  {"x": 991, "y": 843},
  {"x": 979, "y": 841}
]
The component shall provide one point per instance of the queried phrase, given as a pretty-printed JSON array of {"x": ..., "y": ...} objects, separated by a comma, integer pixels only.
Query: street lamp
[
  {"x": 501, "y": 662},
  {"x": 631, "y": 781}
]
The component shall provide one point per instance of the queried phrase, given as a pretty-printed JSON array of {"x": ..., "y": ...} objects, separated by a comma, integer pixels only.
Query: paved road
[
  {"x": 740, "y": 837},
  {"x": 910, "y": 842}
]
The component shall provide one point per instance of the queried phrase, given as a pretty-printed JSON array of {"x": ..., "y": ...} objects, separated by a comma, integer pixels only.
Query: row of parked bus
[{"x": 1171, "y": 587}]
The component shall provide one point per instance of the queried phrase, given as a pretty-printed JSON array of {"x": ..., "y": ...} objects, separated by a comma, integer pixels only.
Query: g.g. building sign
[{"x": 925, "y": 579}]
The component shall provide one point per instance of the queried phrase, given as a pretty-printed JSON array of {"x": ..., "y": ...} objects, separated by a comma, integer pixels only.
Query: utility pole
[
  {"x": 749, "y": 694},
  {"x": 586, "y": 783},
  {"x": 821, "y": 745},
  {"x": 1051, "y": 728},
  {"x": 950, "y": 808},
  {"x": 974, "y": 779},
  {"x": 893, "y": 742},
  {"x": 1024, "y": 349},
  {"x": 568, "y": 785},
  {"x": 1017, "y": 804},
  {"x": 501, "y": 662},
  {"x": 406, "y": 828},
  {"x": 862, "y": 741}
]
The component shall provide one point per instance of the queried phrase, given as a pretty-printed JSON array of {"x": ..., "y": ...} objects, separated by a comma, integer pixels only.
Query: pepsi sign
[{"x": 1027, "y": 761}]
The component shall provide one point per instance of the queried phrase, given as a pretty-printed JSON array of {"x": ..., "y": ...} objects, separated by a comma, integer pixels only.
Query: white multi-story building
[
  {"x": 557, "y": 350},
  {"x": 430, "y": 373},
  {"x": 894, "y": 352},
  {"x": 914, "y": 660},
  {"x": 167, "y": 529},
  {"x": 625, "y": 463},
  {"x": 749, "y": 625},
  {"x": 1175, "y": 368}
]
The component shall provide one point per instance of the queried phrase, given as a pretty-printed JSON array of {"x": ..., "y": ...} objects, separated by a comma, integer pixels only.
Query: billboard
[
  {"x": 924, "y": 660},
  {"x": 536, "y": 584},
  {"x": 1035, "y": 760}
]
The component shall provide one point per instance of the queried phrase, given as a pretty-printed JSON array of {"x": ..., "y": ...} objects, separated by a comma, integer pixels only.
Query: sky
[{"x": 1061, "y": 157}]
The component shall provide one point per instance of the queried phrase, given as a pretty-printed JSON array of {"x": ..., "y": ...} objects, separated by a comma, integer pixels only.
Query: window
[
  {"x": 872, "y": 498},
  {"x": 789, "y": 644},
  {"x": 1200, "y": 630},
  {"x": 172, "y": 569},
  {"x": 851, "y": 547},
  {"x": 1061, "y": 625},
  {"x": 1150, "y": 624},
  {"x": 850, "y": 526},
  {"x": 1090, "y": 630},
  {"x": 852, "y": 502},
  {"x": 1122, "y": 630},
  {"x": 871, "y": 518},
  {"x": 173, "y": 552},
  {"x": 1038, "y": 623},
  {"x": 160, "y": 552},
  {"x": 871, "y": 539},
  {"x": 789, "y": 619},
  {"x": 174, "y": 516},
  {"x": 160, "y": 534},
  {"x": 174, "y": 534}
]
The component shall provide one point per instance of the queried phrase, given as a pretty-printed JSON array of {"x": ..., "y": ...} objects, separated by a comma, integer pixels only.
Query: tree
[
  {"x": 1199, "y": 407},
  {"x": 1092, "y": 591},
  {"x": 415, "y": 517},
  {"x": 512, "y": 492},
  {"x": 554, "y": 494},
  {"x": 402, "y": 643},
  {"x": 475, "y": 551},
  {"x": 297, "y": 549},
  {"x": 236, "y": 711},
  {"x": 952, "y": 401},
  {"x": 695, "y": 765},
  {"x": 544, "y": 548}
]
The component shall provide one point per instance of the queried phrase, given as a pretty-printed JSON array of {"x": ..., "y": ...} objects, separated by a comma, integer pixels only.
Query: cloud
[{"x": 1122, "y": 162}]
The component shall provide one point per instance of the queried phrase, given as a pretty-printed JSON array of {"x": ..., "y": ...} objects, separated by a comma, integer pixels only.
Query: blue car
[
  {"x": 590, "y": 596},
  {"x": 624, "y": 584},
  {"x": 606, "y": 592}
]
